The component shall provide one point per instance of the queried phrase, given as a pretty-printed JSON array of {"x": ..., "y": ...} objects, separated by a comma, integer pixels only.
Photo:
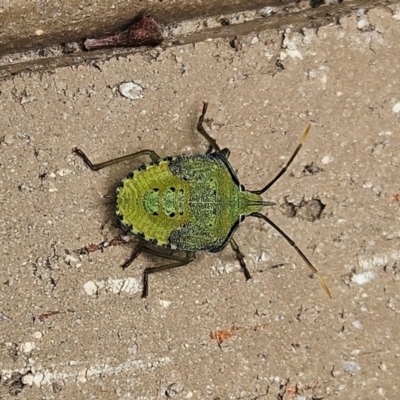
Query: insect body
[{"x": 189, "y": 203}]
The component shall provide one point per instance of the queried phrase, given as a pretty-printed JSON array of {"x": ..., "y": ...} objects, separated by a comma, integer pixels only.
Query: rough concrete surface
[
  {"x": 73, "y": 325},
  {"x": 29, "y": 24},
  {"x": 32, "y": 42}
]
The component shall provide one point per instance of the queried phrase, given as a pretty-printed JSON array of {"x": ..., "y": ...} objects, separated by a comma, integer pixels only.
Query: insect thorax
[{"x": 185, "y": 202}]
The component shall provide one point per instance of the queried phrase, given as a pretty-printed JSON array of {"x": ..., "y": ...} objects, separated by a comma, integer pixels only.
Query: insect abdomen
[{"x": 151, "y": 201}]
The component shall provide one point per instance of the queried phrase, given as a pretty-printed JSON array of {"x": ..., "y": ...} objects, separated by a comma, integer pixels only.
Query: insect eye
[
  {"x": 242, "y": 189},
  {"x": 241, "y": 218}
]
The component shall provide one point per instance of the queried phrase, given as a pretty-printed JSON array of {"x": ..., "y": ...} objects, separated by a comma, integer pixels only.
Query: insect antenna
[
  {"x": 283, "y": 170},
  {"x": 293, "y": 244},
  {"x": 262, "y": 203}
]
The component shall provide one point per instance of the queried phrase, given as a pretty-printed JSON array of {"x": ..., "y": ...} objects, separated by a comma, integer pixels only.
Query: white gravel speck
[
  {"x": 396, "y": 16},
  {"x": 81, "y": 377},
  {"x": 63, "y": 172},
  {"x": 165, "y": 303},
  {"x": 37, "y": 379},
  {"x": 363, "y": 277},
  {"x": 357, "y": 324},
  {"x": 27, "y": 347},
  {"x": 351, "y": 367},
  {"x": 131, "y": 90},
  {"x": 90, "y": 288},
  {"x": 266, "y": 11},
  {"x": 37, "y": 335},
  {"x": 294, "y": 54},
  {"x": 327, "y": 160},
  {"x": 254, "y": 40},
  {"x": 396, "y": 108},
  {"x": 27, "y": 379},
  {"x": 363, "y": 25},
  {"x": 117, "y": 286},
  {"x": 377, "y": 261}
]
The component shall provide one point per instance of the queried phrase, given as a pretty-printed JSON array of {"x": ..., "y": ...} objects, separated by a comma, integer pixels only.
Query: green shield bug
[{"x": 189, "y": 203}]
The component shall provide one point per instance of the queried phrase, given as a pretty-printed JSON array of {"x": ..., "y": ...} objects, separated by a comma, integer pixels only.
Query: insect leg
[
  {"x": 134, "y": 256},
  {"x": 213, "y": 144},
  {"x": 178, "y": 261},
  {"x": 240, "y": 258},
  {"x": 95, "y": 167},
  {"x": 202, "y": 131}
]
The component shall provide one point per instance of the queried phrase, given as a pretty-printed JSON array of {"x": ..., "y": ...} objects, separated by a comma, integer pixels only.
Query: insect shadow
[{"x": 189, "y": 203}]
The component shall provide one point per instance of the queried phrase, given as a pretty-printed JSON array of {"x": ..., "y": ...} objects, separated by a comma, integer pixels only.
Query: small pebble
[
  {"x": 131, "y": 90},
  {"x": 90, "y": 288},
  {"x": 165, "y": 303},
  {"x": 27, "y": 347},
  {"x": 396, "y": 108},
  {"x": 27, "y": 379},
  {"x": 351, "y": 367},
  {"x": 327, "y": 160},
  {"x": 254, "y": 40},
  {"x": 362, "y": 278},
  {"x": 363, "y": 25}
]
